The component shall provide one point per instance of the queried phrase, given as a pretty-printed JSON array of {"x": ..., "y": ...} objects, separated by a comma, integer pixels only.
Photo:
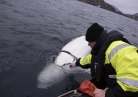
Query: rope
[
  {"x": 74, "y": 57},
  {"x": 67, "y": 93}
]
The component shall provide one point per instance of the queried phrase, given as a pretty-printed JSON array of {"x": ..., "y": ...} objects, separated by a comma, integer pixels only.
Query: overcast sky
[{"x": 125, "y": 6}]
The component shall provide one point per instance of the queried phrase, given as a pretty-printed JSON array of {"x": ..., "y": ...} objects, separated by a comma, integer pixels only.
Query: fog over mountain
[
  {"x": 110, "y": 7},
  {"x": 125, "y": 6}
]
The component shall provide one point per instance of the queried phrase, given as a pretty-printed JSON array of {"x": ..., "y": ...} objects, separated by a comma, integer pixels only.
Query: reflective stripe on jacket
[{"x": 124, "y": 59}]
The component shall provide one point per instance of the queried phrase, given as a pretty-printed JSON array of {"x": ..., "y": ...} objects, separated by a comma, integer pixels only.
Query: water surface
[{"x": 33, "y": 31}]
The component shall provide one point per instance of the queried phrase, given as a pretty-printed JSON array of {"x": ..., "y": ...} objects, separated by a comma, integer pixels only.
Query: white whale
[{"x": 57, "y": 71}]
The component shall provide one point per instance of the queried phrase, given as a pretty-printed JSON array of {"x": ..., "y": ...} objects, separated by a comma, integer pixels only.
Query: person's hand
[
  {"x": 99, "y": 93},
  {"x": 72, "y": 65}
]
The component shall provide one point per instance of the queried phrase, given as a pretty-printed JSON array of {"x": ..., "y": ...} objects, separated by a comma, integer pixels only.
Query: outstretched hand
[
  {"x": 72, "y": 65},
  {"x": 99, "y": 93}
]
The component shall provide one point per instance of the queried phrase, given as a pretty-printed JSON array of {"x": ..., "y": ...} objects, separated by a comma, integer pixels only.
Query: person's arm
[
  {"x": 124, "y": 61},
  {"x": 83, "y": 62}
]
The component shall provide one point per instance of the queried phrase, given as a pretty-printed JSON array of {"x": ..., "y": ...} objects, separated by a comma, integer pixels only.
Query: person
[{"x": 113, "y": 62}]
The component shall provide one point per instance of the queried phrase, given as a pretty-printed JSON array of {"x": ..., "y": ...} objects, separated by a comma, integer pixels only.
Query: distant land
[
  {"x": 104, "y": 5},
  {"x": 136, "y": 14}
]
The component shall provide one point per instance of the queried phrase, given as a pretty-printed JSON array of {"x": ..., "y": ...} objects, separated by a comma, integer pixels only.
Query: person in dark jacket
[{"x": 113, "y": 62}]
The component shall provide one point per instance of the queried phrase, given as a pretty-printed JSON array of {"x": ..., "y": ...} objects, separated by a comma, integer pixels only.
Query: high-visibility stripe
[
  {"x": 112, "y": 76},
  {"x": 129, "y": 82},
  {"x": 116, "y": 49}
]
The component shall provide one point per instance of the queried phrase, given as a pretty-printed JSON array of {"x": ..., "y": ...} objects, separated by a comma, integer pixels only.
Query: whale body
[
  {"x": 57, "y": 71},
  {"x": 78, "y": 47}
]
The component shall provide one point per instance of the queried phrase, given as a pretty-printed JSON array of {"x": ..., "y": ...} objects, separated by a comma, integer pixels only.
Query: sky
[{"x": 125, "y": 6}]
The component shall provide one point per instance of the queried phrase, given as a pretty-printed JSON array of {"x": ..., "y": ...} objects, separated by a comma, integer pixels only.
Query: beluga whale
[{"x": 55, "y": 72}]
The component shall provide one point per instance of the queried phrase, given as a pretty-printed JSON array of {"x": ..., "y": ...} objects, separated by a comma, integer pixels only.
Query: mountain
[
  {"x": 136, "y": 14},
  {"x": 104, "y": 5},
  {"x": 116, "y": 8}
]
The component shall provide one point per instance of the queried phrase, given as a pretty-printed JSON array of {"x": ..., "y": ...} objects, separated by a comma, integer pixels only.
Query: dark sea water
[{"x": 33, "y": 31}]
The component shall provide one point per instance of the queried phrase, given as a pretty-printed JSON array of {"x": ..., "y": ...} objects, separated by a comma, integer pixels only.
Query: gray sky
[{"x": 125, "y": 6}]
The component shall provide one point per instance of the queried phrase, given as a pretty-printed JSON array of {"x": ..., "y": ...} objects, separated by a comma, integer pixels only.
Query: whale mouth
[
  {"x": 50, "y": 75},
  {"x": 53, "y": 74}
]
